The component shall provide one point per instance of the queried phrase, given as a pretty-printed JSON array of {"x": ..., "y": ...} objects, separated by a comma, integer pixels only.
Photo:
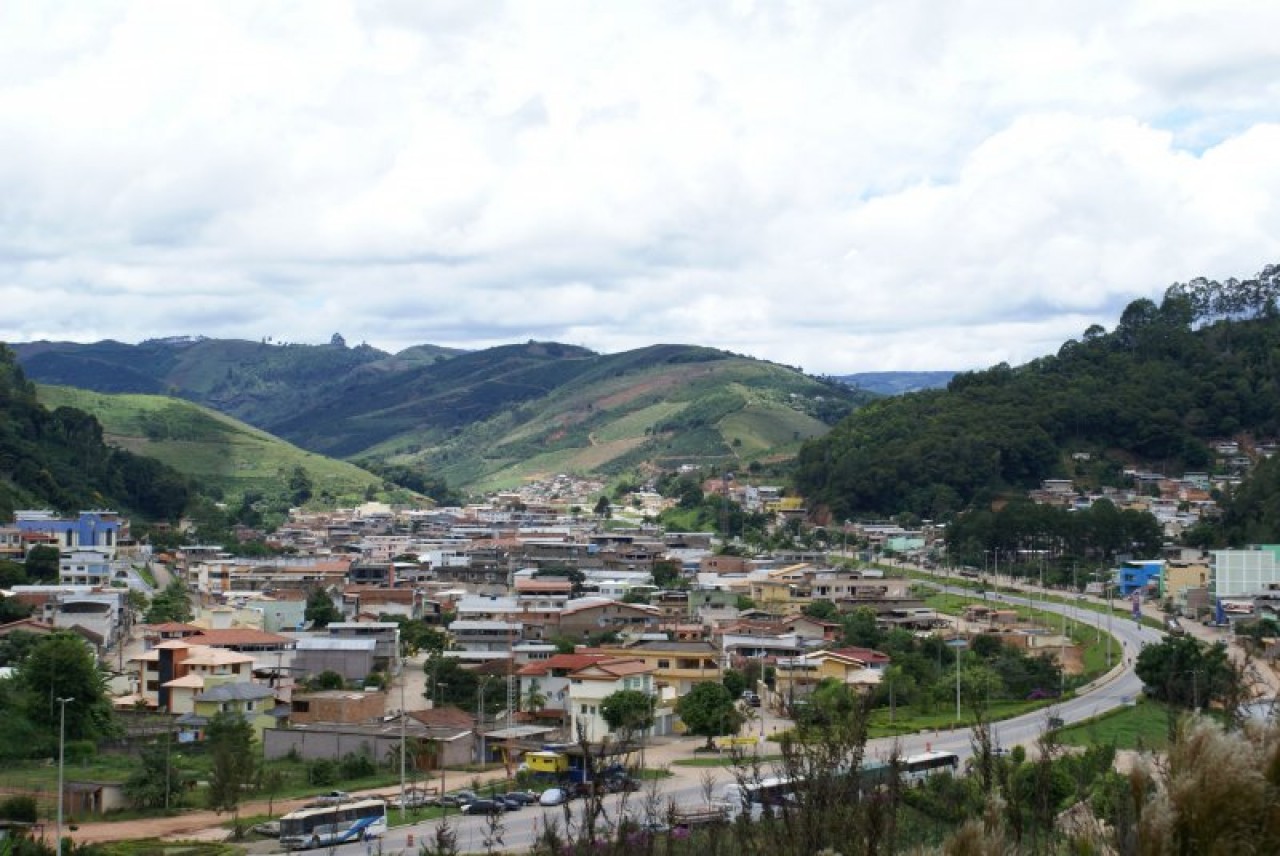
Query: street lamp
[{"x": 62, "y": 742}]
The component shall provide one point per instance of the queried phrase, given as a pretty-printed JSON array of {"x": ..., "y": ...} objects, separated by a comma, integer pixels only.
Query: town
[{"x": 494, "y": 637}]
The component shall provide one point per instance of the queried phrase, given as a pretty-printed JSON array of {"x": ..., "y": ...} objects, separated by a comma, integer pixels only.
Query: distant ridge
[{"x": 898, "y": 383}]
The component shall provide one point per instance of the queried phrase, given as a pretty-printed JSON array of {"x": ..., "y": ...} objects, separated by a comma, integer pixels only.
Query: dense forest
[
  {"x": 57, "y": 459},
  {"x": 1202, "y": 364}
]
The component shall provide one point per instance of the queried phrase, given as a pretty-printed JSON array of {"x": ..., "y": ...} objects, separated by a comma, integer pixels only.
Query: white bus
[
  {"x": 328, "y": 825},
  {"x": 769, "y": 791},
  {"x": 917, "y": 768}
]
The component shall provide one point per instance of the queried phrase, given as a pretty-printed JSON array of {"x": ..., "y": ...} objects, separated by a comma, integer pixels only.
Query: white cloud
[{"x": 841, "y": 187}]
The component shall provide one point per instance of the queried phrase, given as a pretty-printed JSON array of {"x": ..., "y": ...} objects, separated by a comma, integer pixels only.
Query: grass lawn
[
  {"x": 1144, "y": 725},
  {"x": 907, "y": 721},
  {"x": 724, "y": 760},
  {"x": 1093, "y": 644},
  {"x": 977, "y": 586}
]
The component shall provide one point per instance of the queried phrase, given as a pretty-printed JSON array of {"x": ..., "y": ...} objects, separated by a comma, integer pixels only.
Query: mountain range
[{"x": 478, "y": 419}]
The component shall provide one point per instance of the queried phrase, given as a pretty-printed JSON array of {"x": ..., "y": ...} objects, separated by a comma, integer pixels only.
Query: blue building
[
  {"x": 1140, "y": 575},
  {"x": 96, "y": 530}
]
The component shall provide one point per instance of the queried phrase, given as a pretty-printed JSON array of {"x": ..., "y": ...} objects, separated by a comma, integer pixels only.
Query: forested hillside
[
  {"x": 1202, "y": 364},
  {"x": 57, "y": 459}
]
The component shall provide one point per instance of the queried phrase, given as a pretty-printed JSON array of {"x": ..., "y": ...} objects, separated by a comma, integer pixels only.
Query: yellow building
[
  {"x": 255, "y": 702},
  {"x": 1180, "y": 576},
  {"x": 676, "y": 665}
]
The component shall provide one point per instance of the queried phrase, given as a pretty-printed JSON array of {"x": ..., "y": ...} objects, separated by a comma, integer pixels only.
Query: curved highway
[{"x": 1118, "y": 687}]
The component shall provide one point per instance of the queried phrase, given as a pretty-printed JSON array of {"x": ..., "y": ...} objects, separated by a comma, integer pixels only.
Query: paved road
[{"x": 1118, "y": 687}]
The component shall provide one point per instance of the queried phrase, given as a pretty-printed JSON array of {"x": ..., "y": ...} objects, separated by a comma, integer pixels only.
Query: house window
[
  {"x": 664, "y": 664},
  {"x": 248, "y": 705}
]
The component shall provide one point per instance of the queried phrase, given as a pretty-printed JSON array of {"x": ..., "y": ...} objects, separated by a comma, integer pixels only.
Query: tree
[
  {"x": 15, "y": 646},
  {"x": 171, "y": 604},
  {"x": 534, "y": 698},
  {"x": 627, "y": 712},
  {"x": 320, "y": 610},
  {"x": 602, "y": 507},
  {"x": 416, "y": 635},
  {"x": 666, "y": 573},
  {"x": 61, "y": 666},
  {"x": 708, "y": 710},
  {"x": 734, "y": 681},
  {"x": 823, "y": 610},
  {"x": 328, "y": 680},
  {"x": 42, "y": 564},
  {"x": 1186, "y": 672},
  {"x": 12, "y": 610},
  {"x": 156, "y": 783},
  {"x": 229, "y": 737}
]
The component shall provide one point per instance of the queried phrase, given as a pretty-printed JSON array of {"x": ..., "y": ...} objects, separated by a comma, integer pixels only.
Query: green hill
[
  {"x": 656, "y": 407},
  {"x": 57, "y": 459},
  {"x": 1153, "y": 392},
  {"x": 225, "y": 457}
]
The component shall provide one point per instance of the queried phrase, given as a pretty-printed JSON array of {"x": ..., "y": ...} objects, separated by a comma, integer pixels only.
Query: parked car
[
  {"x": 750, "y": 699},
  {"x": 483, "y": 806},
  {"x": 522, "y": 797},
  {"x": 458, "y": 798},
  {"x": 554, "y": 796},
  {"x": 333, "y": 798},
  {"x": 413, "y": 798},
  {"x": 270, "y": 828}
]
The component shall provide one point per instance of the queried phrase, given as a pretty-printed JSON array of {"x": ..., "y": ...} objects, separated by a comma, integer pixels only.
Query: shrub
[
  {"x": 322, "y": 772},
  {"x": 357, "y": 766},
  {"x": 21, "y": 808}
]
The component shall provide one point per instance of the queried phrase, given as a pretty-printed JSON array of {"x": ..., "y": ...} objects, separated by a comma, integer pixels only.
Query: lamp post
[{"x": 62, "y": 742}]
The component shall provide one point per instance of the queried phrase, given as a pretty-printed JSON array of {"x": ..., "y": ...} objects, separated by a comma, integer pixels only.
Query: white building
[{"x": 1244, "y": 573}]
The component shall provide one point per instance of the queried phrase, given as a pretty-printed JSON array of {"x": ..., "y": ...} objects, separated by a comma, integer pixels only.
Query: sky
[{"x": 842, "y": 187}]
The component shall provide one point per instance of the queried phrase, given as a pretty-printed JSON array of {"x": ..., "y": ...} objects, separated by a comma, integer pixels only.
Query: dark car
[
  {"x": 483, "y": 806},
  {"x": 522, "y": 797}
]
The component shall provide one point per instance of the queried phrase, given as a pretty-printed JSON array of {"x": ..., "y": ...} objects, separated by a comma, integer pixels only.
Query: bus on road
[{"x": 329, "y": 825}]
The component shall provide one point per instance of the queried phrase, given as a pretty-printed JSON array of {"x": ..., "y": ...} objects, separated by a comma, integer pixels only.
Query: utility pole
[
  {"x": 62, "y": 743},
  {"x": 440, "y": 753},
  {"x": 484, "y": 682},
  {"x": 958, "y": 646},
  {"x": 403, "y": 716},
  {"x": 1109, "y": 636}
]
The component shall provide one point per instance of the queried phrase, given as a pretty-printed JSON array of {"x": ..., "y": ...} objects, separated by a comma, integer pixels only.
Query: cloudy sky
[{"x": 845, "y": 186}]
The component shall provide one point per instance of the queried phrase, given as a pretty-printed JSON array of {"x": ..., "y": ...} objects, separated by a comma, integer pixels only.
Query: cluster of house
[
  {"x": 550, "y": 611},
  {"x": 97, "y": 566},
  {"x": 1178, "y": 502}
]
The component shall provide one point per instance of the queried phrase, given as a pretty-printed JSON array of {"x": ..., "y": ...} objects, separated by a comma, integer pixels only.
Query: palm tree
[{"x": 534, "y": 700}]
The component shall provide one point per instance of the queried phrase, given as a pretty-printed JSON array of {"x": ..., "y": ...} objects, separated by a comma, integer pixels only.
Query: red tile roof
[
  {"x": 238, "y": 636},
  {"x": 866, "y": 655}
]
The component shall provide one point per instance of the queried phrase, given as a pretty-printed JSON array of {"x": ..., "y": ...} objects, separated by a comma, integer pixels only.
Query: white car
[{"x": 553, "y": 796}]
